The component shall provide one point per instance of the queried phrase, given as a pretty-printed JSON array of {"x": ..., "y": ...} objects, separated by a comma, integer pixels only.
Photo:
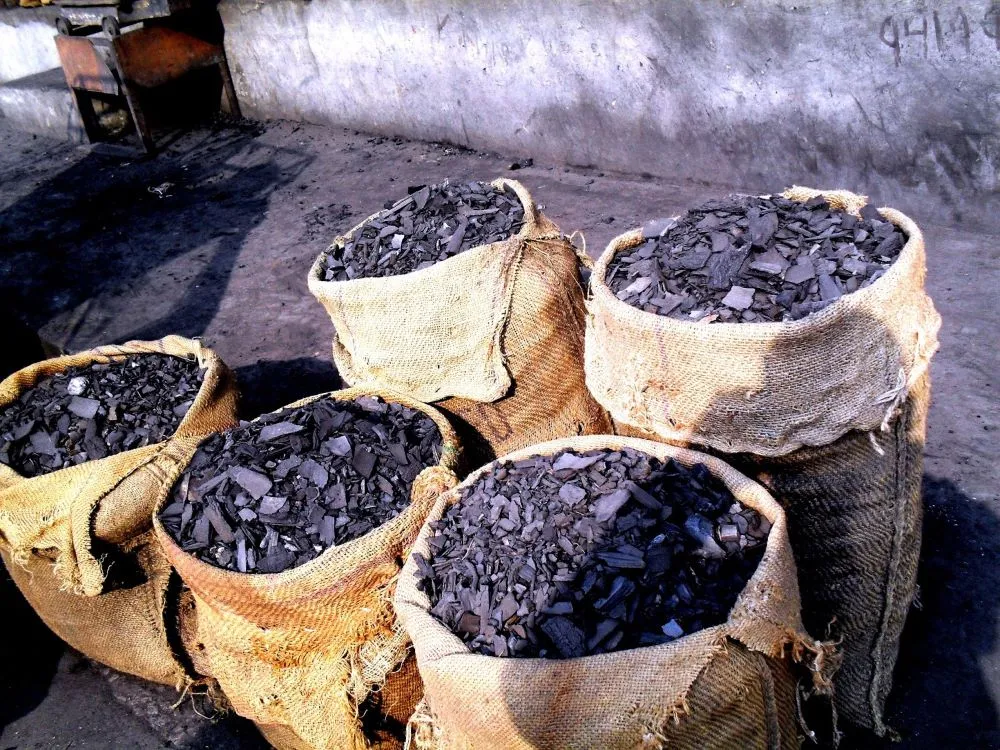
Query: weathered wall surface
[
  {"x": 26, "y": 45},
  {"x": 897, "y": 98}
]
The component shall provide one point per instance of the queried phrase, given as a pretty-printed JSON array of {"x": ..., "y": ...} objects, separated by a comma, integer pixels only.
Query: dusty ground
[{"x": 90, "y": 255}]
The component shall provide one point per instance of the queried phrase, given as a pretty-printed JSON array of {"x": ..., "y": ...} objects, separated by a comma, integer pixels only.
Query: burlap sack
[
  {"x": 495, "y": 334},
  {"x": 728, "y": 686},
  {"x": 828, "y": 411},
  {"x": 78, "y": 542},
  {"x": 855, "y": 513},
  {"x": 300, "y": 652}
]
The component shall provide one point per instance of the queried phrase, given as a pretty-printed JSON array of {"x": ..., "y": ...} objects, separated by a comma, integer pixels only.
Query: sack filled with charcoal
[
  {"x": 467, "y": 296},
  {"x": 607, "y": 592},
  {"x": 791, "y": 334},
  {"x": 85, "y": 443},
  {"x": 290, "y": 532}
]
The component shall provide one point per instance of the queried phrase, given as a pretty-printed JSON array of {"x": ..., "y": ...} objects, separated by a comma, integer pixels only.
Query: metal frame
[{"x": 128, "y": 64}]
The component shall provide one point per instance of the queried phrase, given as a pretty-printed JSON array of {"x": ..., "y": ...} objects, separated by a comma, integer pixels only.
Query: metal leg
[
  {"x": 85, "y": 106},
  {"x": 138, "y": 118},
  {"x": 230, "y": 104}
]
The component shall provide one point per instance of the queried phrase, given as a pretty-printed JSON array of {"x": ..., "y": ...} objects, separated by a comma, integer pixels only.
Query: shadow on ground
[
  {"x": 29, "y": 665},
  {"x": 941, "y": 695},
  {"x": 97, "y": 229}
]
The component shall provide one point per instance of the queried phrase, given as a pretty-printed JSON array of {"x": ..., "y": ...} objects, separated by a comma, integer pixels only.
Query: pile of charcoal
[
  {"x": 90, "y": 412},
  {"x": 432, "y": 223},
  {"x": 576, "y": 554},
  {"x": 275, "y": 493},
  {"x": 746, "y": 258}
]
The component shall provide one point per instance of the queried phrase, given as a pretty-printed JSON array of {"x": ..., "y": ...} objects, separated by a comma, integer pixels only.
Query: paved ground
[{"x": 90, "y": 255}]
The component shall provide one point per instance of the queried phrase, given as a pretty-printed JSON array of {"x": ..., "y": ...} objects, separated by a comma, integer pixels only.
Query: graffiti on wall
[{"x": 950, "y": 30}]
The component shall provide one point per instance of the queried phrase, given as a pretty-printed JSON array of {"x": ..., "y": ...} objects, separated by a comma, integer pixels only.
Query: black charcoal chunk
[{"x": 433, "y": 223}]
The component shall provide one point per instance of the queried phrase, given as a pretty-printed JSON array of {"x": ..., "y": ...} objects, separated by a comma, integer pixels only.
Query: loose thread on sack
[
  {"x": 581, "y": 252},
  {"x": 895, "y": 397}
]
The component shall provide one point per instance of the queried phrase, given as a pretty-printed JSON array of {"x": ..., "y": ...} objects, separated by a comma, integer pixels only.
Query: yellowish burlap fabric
[
  {"x": 495, "y": 334},
  {"x": 727, "y": 686},
  {"x": 765, "y": 388},
  {"x": 829, "y": 412},
  {"x": 78, "y": 542},
  {"x": 300, "y": 652}
]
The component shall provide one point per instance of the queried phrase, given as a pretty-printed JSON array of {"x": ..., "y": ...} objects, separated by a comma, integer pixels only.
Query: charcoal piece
[
  {"x": 314, "y": 472},
  {"x": 517, "y": 567},
  {"x": 739, "y": 298},
  {"x": 468, "y": 623},
  {"x": 606, "y": 508},
  {"x": 434, "y": 223},
  {"x": 726, "y": 267},
  {"x": 565, "y": 636},
  {"x": 364, "y": 462},
  {"x": 86, "y": 413},
  {"x": 269, "y": 505},
  {"x": 801, "y": 272},
  {"x": 275, "y": 562},
  {"x": 570, "y": 461},
  {"x": 771, "y": 262},
  {"x": 43, "y": 443},
  {"x": 215, "y": 517},
  {"x": 84, "y": 408},
  {"x": 340, "y": 445},
  {"x": 274, "y": 494},
  {"x": 798, "y": 257},
  {"x": 828, "y": 288},
  {"x": 673, "y": 630},
  {"x": 762, "y": 227},
  {"x": 280, "y": 429},
  {"x": 254, "y": 482}
]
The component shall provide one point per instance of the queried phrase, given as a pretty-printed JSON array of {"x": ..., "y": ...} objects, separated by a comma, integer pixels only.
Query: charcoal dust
[
  {"x": 275, "y": 493},
  {"x": 432, "y": 223},
  {"x": 90, "y": 412},
  {"x": 587, "y": 553},
  {"x": 753, "y": 259}
]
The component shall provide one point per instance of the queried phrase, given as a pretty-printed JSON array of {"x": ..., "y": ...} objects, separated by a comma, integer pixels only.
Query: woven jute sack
[
  {"x": 493, "y": 335},
  {"x": 79, "y": 542},
  {"x": 732, "y": 685},
  {"x": 306, "y": 654},
  {"x": 828, "y": 411}
]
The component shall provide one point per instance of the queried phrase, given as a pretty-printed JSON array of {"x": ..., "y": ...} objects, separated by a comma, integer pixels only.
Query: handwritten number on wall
[{"x": 948, "y": 30}]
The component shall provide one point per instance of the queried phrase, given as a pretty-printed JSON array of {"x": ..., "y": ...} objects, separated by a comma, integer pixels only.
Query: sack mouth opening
[
  {"x": 451, "y": 457},
  {"x": 529, "y": 228},
  {"x": 208, "y": 362},
  {"x": 626, "y": 241},
  {"x": 745, "y": 491}
]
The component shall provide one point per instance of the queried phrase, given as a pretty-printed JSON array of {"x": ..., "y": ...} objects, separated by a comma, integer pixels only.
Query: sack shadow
[
  {"x": 142, "y": 248},
  {"x": 270, "y": 384},
  {"x": 941, "y": 695},
  {"x": 27, "y": 670}
]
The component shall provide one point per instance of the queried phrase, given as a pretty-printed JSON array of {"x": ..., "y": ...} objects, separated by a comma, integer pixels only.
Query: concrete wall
[
  {"x": 26, "y": 42},
  {"x": 896, "y": 98}
]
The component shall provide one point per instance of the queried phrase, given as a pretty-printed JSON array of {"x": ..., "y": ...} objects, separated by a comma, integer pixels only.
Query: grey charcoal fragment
[
  {"x": 84, "y": 408},
  {"x": 280, "y": 429}
]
